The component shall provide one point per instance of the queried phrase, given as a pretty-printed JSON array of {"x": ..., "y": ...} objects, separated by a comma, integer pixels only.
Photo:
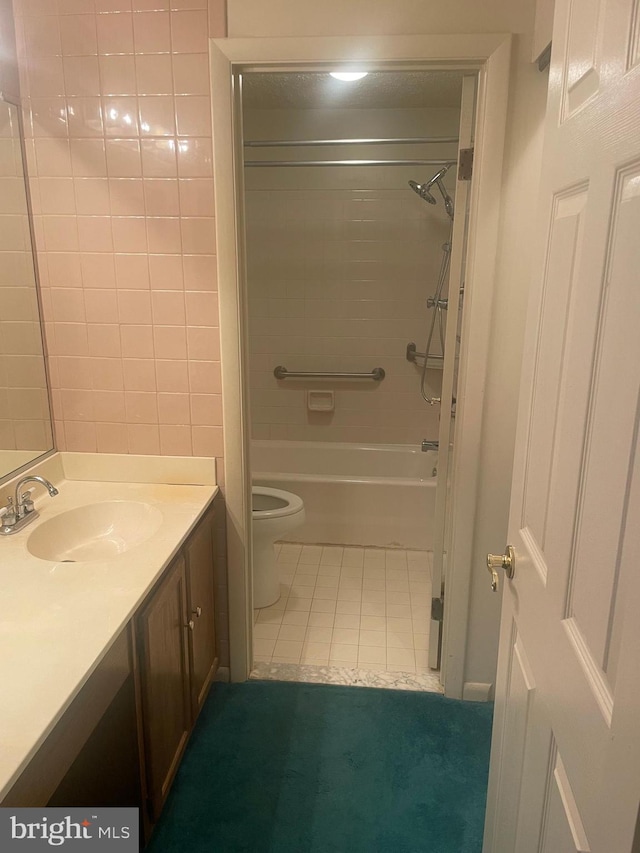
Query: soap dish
[{"x": 320, "y": 401}]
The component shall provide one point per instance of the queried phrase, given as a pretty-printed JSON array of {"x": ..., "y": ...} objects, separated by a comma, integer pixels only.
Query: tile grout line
[{"x": 409, "y": 588}]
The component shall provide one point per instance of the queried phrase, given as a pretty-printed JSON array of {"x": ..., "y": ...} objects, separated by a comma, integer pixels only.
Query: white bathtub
[{"x": 382, "y": 495}]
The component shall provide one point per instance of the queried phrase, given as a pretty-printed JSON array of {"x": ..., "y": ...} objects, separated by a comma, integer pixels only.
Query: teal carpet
[{"x": 277, "y": 767}]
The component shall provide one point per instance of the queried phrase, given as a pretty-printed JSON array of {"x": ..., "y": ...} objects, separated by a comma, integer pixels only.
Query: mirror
[{"x": 25, "y": 419}]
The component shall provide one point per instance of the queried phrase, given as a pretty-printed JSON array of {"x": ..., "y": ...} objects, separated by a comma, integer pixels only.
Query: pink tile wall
[
  {"x": 116, "y": 101},
  {"x": 8, "y": 65}
]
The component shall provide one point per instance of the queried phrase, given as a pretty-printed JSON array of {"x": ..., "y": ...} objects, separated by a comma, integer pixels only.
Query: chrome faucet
[
  {"x": 20, "y": 511},
  {"x": 24, "y": 504}
]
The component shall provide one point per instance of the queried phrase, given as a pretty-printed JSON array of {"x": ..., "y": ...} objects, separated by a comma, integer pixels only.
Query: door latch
[{"x": 506, "y": 561}]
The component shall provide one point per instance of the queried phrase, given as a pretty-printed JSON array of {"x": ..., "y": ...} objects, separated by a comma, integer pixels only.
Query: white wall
[
  {"x": 362, "y": 17},
  {"x": 340, "y": 263},
  {"x": 518, "y": 217},
  {"x": 520, "y": 182}
]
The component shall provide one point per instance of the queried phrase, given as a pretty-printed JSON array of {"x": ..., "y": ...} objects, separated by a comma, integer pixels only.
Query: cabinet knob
[
  {"x": 197, "y": 612},
  {"x": 190, "y": 625}
]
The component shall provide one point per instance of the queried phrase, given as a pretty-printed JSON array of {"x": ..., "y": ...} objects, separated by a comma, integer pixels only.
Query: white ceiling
[{"x": 380, "y": 89}]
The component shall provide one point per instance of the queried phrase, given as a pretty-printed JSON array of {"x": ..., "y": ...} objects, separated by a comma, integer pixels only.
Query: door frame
[
  {"x": 449, "y": 385},
  {"x": 489, "y": 54}
]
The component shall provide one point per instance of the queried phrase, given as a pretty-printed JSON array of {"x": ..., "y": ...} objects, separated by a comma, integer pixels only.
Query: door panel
[
  {"x": 566, "y": 233},
  {"x": 202, "y": 639},
  {"x": 593, "y": 594},
  {"x": 582, "y": 72},
  {"x": 563, "y": 830},
  {"x": 520, "y": 691},
  {"x": 634, "y": 37},
  {"x": 165, "y": 682},
  {"x": 576, "y": 492}
]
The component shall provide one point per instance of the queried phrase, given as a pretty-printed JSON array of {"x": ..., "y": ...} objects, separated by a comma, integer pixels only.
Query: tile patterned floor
[{"x": 348, "y": 607}]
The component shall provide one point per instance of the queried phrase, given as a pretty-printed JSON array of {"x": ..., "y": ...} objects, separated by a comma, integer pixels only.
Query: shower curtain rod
[
  {"x": 349, "y": 162},
  {"x": 294, "y": 143}
]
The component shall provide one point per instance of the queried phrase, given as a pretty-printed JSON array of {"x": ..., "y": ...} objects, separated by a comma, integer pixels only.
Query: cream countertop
[{"x": 57, "y": 620}]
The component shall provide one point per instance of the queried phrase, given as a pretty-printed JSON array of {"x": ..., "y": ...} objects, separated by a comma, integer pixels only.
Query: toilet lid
[{"x": 274, "y": 503}]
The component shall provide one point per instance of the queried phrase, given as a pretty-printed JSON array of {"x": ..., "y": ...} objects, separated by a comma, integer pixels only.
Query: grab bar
[{"x": 280, "y": 372}]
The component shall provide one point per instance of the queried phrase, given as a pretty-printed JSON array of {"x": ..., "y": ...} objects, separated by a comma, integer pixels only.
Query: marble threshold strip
[{"x": 309, "y": 673}]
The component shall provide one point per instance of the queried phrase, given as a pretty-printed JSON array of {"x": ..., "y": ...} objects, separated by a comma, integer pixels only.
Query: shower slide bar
[
  {"x": 280, "y": 372},
  {"x": 294, "y": 143},
  {"x": 349, "y": 162}
]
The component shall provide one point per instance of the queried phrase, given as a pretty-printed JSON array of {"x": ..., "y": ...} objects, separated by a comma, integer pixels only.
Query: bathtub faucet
[{"x": 429, "y": 445}]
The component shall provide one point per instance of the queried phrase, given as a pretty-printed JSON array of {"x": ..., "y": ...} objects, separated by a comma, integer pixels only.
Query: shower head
[{"x": 423, "y": 190}]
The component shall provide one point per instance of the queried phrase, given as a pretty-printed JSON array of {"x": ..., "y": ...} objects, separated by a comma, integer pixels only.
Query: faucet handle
[
  {"x": 9, "y": 516},
  {"x": 26, "y": 502}
]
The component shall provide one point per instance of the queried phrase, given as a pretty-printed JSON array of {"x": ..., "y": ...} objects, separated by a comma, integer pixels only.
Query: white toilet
[{"x": 275, "y": 513}]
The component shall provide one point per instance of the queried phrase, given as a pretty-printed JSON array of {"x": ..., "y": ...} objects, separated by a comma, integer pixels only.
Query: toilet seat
[{"x": 273, "y": 503}]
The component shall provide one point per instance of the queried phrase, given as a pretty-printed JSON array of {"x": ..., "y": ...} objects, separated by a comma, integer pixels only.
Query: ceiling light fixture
[{"x": 348, "y": 76}]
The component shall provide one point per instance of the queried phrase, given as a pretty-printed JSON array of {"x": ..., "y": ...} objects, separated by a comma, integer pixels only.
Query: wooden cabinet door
[
  {"x": 202, "y": 638},
  {"x": 165, "y": 681}
]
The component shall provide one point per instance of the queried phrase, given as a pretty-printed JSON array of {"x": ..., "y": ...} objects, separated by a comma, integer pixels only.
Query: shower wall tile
[
  {"x": 340, "y": 264},
  {"x": 116, "y": 96}
]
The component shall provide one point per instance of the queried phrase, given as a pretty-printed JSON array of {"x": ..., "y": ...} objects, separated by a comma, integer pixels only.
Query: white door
[
  {"x": 442, "y": 520},
  {"x": 565, "y": 765}
]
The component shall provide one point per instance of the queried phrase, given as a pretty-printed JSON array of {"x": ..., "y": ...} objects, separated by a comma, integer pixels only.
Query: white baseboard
[
  {"x": 475, "y": 691},
  {"x": 222, "y": 674}
]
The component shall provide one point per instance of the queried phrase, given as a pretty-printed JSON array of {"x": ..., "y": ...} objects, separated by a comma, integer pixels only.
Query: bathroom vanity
[
  {"x": 176, "y": 658},
  {"x": 106, "y": 662}
]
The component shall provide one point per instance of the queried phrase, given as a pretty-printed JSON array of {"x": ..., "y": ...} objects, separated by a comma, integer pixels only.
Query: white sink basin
[{"x": 98, "y": 531}]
